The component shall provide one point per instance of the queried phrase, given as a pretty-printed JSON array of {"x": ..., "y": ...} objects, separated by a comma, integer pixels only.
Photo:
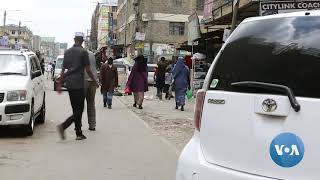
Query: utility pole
[
  {"x": 4, "y": 22},
  {"x": 138, "y": 27},
  {"x": 125, "y": 29},
  {"x": 19, "y": 31},
  {"x": 234, "y": 15}
]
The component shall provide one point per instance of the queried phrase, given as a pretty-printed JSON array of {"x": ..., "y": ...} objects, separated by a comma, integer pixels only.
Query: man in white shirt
[{"x": 90, "y": 92}]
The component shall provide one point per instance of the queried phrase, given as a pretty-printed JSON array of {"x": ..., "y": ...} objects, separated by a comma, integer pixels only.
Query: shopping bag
[{"x": 189, "y": 94}]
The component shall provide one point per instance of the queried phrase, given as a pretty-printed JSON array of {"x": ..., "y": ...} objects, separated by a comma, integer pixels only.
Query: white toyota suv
[
  {"x": 257, "y": 116},
  {"x": 22, "y": 90}
]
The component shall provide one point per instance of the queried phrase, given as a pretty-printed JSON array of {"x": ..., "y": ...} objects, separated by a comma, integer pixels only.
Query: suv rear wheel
[{"x": 54, "y": 86}]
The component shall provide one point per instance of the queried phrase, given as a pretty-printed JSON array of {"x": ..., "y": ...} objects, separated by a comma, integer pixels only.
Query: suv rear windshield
[
  {"x": 282, "y": 51},
  {"x": 13, "y": 65}
]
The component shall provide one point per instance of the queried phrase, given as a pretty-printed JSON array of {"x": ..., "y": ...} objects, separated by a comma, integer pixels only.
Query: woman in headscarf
[
  {"x": 109, "y": 81},
  {"x": 138, "y": 80},
  {"x": 181, "y": 76}
]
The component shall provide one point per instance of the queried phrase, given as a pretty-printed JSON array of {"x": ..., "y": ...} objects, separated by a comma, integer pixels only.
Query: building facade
[
  {"x": 36, "y": 42},
  {"x": 161, "y": 25},
  {"x": 103, "y": 24},
  {"x": 18, "y": 36}
]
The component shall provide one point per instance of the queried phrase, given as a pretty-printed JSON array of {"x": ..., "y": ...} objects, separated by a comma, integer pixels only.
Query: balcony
[{"x": 223, "y": 10}]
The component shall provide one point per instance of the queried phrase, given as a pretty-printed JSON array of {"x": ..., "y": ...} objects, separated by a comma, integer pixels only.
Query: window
[
  {"x": 35, "y": 66},
  {"x": 200, "y": 4},
  {"x": 177, "y": 2},
  {"x": 114, "y": 8},
  {"x": 260, "y": 51},
  {"x": 13, "y": 64},
  {"x": 13, "y": 32},
  {"x": 176, "y": 28}
]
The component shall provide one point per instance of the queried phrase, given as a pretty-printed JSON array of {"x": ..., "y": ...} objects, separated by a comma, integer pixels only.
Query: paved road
[{"x": 122, "y": 148}]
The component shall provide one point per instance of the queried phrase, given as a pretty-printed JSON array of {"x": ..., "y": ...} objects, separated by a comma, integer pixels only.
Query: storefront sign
[
  {"x": 276, "y": 7},
  {"x": 140, "y": 36},
  {"x": 207, "y": 12},
  {"x": 139, "y": 45},
  {"x": 4, "y": 41},
  {"x": 193, "y": 28}
]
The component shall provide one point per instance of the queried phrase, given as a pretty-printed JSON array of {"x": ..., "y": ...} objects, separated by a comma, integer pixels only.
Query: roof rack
[{"x": 5, "y": 48}]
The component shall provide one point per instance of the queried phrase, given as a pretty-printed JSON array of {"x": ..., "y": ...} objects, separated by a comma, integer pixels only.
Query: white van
[
  {"x": 57, "y": 71},
  {"x": 257, "y": 116}
]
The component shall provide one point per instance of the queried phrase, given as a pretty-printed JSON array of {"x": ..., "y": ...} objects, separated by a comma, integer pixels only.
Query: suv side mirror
[{"x": 35, "y": 74}]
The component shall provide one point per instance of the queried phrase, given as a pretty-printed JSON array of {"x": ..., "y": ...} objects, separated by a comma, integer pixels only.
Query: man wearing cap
[{"x": 76, "y": 60}]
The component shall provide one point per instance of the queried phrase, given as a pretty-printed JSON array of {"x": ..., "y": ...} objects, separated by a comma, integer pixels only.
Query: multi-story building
[
  {"x": 161, "y": 25},
  {"x": 18, "y": 35},
  {"x": 48, "y": 46},
  {"x": 103, "y": 25},
  {"x": 36, "y": 42},
  {"x": 63, "y": 48}
]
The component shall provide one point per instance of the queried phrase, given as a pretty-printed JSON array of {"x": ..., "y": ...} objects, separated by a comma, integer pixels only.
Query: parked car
[
  {"x": 57, "y": 71},
  {"x": 22, "y": 90},
  {"x": 257, "y": 116},
  {"x": 119, "y": 63},
  {"x": 151, "y": 70}
]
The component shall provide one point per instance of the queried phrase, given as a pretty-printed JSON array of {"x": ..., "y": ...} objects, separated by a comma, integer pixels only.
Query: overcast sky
[{"x": 54, "y": 18}]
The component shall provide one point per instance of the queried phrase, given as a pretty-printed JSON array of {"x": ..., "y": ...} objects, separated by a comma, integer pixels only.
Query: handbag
[{"x": 127, "y": 90}]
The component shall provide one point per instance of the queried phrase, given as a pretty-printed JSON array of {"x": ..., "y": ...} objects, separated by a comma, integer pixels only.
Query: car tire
[
  {"x": 42, "y": 116},
  {"x": 54, "y": 86},
  {"x": 30, "y": 127}
]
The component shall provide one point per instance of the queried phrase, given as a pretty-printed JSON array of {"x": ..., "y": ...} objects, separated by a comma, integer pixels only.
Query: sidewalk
[{"x": 175, "y": 125}]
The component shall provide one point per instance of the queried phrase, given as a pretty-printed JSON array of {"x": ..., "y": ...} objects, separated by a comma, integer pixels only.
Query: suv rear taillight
[{"x": 201, "y": 95}]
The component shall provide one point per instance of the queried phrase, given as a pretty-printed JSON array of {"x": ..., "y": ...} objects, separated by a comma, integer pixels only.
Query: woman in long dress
[
  {"x": 181, "y": 76},
  {"x": 138, "y": 81}
]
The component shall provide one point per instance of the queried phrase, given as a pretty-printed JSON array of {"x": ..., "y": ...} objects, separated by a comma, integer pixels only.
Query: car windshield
[
  {"x": 59, "y": 63},
  {"x": 281, "y": 51},
  {"x": 13, "y": 65}
]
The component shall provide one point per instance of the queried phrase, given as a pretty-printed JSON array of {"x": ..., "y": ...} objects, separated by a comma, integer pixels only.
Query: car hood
[{"x": 13, "y": 82}]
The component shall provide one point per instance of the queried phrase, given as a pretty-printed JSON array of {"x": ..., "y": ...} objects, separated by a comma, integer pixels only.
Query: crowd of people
[
  {"x": 80, "y": 76},
  {"x": 169, "y": 76}
]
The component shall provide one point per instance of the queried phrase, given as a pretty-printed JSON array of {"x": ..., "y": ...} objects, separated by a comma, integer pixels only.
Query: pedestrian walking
[
  {"x": 138, "y": 81},
  {"x": 53, "y": 69},
  {"x": 181, "y": 78},
  {"x": 160, "y": 76},
  {"x": 90, "y": 92},
  {"x": 76, "y": 60},
  {"x": 109, "y": 81},
  {"x": 48, "y": 71},
  {"x": 168, "y": 81},
  {"x": 41, "y": 60}
]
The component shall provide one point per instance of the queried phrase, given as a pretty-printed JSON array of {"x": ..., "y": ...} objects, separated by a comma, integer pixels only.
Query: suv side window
[{"x": 35, "y": 66}]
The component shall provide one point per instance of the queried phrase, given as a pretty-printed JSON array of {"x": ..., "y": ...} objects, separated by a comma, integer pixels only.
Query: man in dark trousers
[
  {"x": 76, "y": 60},
  {"x": 160, "y": 76},
  {"x": 41, "y": 59}
]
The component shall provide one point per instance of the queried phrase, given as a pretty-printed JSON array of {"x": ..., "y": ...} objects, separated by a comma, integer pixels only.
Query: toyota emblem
[{"x": 269, "y": 105}]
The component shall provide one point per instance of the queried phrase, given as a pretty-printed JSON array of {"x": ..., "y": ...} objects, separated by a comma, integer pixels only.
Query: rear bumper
[{"x": 193, "y": 166}]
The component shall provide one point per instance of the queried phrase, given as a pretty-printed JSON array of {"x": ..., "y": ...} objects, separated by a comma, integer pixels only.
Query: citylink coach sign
[{"x": 276, "y": 7}]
